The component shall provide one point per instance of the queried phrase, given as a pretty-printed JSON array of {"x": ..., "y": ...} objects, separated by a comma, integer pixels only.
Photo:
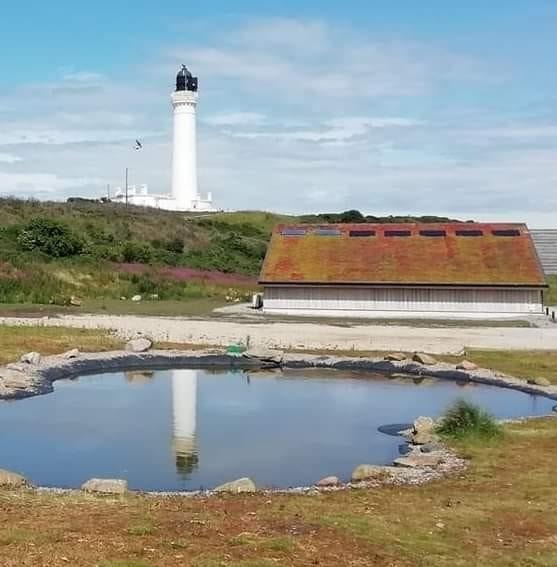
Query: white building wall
[{"x": 371, "y": 301}]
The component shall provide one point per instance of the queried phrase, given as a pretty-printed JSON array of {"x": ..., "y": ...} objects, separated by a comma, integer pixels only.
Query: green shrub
[
  {"x": 50, "y": 237},
  {"x": 136, "y": 252},
  {"x": 464, "y": 419}
]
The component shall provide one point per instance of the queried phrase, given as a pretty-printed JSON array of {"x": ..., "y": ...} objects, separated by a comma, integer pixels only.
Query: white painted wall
[
  {"x": 184, "y": 149},
  {"x": 372, "y": 301}
]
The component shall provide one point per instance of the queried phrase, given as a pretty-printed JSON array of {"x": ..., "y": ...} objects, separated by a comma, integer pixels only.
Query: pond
[{"x": 189, "y": 429}]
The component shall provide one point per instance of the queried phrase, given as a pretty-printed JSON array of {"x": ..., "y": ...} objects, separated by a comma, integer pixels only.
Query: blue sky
[{"x": 389, "y": 107}]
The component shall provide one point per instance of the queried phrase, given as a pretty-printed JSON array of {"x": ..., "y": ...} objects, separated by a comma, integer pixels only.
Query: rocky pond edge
[{"x": 426, "y": 461}]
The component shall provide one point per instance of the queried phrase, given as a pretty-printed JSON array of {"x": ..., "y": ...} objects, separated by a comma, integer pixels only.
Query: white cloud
[
  {"x": 294, "y": 116},
  {"x": 235, "y": 119},
  {"x": 9, "y": 158}
]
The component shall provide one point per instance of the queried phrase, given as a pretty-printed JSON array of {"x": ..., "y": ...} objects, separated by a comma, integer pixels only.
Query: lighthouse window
[
  {"x": 293, "y": 231},
  {"x": 506, "y": 232}
]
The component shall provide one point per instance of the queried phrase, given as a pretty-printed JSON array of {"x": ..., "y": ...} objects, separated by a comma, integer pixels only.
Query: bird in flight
[{"x": 138, "y": 145}]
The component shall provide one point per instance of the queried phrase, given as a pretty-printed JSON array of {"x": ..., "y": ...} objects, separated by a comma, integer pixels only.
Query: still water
[{"x": 190, "y": 429}]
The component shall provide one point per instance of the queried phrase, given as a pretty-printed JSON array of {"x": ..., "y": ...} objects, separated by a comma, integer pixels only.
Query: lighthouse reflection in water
[{"x": 184, "y": 415}]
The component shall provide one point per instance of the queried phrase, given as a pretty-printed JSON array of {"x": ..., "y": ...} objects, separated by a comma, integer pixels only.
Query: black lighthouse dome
[{"x": 185, "y": 81}]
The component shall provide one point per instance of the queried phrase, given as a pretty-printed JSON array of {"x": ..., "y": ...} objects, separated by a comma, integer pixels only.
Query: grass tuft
[{"x": 464, "y": 420}]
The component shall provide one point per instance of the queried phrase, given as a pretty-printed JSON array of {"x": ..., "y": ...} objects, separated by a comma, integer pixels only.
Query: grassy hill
[{"x": 51, "y": 251}]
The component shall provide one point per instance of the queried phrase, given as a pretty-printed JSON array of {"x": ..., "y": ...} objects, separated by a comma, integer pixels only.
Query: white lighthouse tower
[
  {"x": 184, "y": 147},
  {"x": 184, "y": 194}
]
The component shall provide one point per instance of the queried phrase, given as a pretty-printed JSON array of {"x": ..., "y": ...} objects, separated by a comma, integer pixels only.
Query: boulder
[
  {"x": 466, "y": 365},
  {"x": 105, "y": 486},
  {"x": 423, "y": 424},
  {"x": 264, "y": 354},
  {"x": 31, "y": 358},
  {"x": 539, "y": 381},
  {"x": 423, "y": 358},
  {"x": 139, "y": 345},
  {"x": 395, "y": 356},
  {"x": 75, "y": 301},
  {"x": 417, "y": 459},
  {"x": 10, "y": 479},
  {"x": 431, "y": 447},
  {"x": 421, "y": 437},
  {"x": 328, "y": 481},
  {"x": 73, "y": 353},
  {"x": 237, "y": 486},
  {"x": 136, "y": 298},
  {"x": 366, "y": 472}
]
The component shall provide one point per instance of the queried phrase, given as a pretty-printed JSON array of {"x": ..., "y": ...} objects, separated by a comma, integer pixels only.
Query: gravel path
[{"x": 307, "y": 335}]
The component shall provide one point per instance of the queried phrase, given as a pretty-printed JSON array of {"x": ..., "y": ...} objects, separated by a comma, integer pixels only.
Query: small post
[
  {"x": 547, "y": 311},
  {"x": 553, "y": 315},
  {"x": 126, "y": 186}
]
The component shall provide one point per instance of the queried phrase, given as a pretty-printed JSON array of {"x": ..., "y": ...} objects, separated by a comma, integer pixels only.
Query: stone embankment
[{"x": 35, "y": 374}]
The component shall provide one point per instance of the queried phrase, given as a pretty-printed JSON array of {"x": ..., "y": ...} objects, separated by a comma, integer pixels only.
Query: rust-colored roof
[{"x": 338, "y": 254}]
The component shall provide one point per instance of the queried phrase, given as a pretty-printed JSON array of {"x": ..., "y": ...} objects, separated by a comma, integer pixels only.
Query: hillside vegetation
[{"x": 51, "y": 251}]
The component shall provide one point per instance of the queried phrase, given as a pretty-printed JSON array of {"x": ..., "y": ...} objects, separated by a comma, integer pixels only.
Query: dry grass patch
[{"x": 15, "y": 341}]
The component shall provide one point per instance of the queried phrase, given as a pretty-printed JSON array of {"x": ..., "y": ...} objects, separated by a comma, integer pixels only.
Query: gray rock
[
  {"x": 431, "y": 447},
  {"x": 395, "y": 356},
  {"x": 10, "y": 479},
  {"x": 267, "y": 355},
  {"x": 105, "y": 486},
  {"x": 417, "y": 459},
  {"x": 423, "y": 424},
  {"x": 31, "y": 358},
  {"x": 137, "y": 298},
  {"x": 328, "y": 481},
  {"x": 421, "y": 438},
  {"x": 139, "y": 345},
  {"x": 74, "y": 353},
  {"x": 75, "y": 301},
  {"x": 539, "y": 381},
  {"x": 237, "y": 486},
  {"x": 466, "y": 365},
  {"x": 424, "y": 358},
  {"x": 366, "y": 472}
]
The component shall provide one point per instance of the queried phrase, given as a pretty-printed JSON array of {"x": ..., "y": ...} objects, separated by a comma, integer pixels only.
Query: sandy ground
[{"x": 297, "y": 335}]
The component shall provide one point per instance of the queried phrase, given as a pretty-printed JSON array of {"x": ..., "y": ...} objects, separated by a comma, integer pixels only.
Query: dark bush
[
  {"x": 50, "y": 237},
  {"x": 136, "y": 252},
  {"x": 464, "y": 419}
]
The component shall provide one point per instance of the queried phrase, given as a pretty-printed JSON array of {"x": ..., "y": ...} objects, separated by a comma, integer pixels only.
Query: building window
[
  {"x": 433, "y": 233},
  {"x": 469, "y": 233},
  {"x": 506, "y": 232},
  {"x": 398, "y": 233},
  {"x": 293, "y": 231},
  {"x": 327, "y": 232},
  {"x": 361, "y": 233}
]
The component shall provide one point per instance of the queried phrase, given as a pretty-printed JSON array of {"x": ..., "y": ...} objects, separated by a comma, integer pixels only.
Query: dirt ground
[
  {"x": 500, "y": 512},
  {"x": 310, "y": 336}
]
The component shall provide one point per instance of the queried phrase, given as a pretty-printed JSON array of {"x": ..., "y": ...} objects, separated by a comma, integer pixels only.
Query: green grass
[
  {"x": 519, "y": 363},
  {"x": 464, "y": 420},
  {"x": 551, "y": 294}
]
